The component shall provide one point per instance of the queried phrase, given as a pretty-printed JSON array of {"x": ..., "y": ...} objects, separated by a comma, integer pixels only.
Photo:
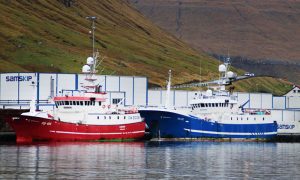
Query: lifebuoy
[{"x": 103, "y": 106}]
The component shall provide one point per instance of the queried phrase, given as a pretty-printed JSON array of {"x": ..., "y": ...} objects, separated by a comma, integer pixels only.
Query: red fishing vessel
[{"x": 87, "y": 116}]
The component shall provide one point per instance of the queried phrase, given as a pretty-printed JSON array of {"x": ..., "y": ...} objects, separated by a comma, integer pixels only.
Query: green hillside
[
  {"x": 264, "y": 85},
  {"x": 47, "y": 36}
]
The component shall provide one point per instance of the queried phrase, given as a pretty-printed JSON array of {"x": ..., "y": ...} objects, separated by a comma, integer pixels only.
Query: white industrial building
[
  {"x": 16, "y": 92},
  {"x": 15, "y": 88},
  {"x": 294, "y": 92}
]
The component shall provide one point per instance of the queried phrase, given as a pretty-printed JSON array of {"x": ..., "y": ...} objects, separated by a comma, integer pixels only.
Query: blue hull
[{"x": 167, "y": 124}]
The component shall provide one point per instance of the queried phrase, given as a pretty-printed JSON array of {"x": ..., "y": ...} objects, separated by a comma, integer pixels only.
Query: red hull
[{"x": 30, "y": 129}]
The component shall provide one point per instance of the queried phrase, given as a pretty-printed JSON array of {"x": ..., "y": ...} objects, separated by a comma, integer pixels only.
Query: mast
[
  {"x": 90, "y": 68},
  {"x": 32, "y": 104},
  {"x": 93, "y": 19},
  {"x": 168, "y": 91}
]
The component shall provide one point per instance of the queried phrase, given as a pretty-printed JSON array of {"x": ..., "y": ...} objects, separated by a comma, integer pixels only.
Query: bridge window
[
  {"x": 202, "y": 105},
  {"x": 217, "y": 105},
  {"x": 231, "y": 118},
  {"x": 67, "y": 103},
  {"x": 74, "y": 102},
  {"x": 213, "y": 105},
  {"x": 77, "y": 102},
  {"x": 99, "y": 103},
  {"x": 92, "y": 103},
  {"x": 118, "y": 117},
  {"x": 81, "y": 103}
]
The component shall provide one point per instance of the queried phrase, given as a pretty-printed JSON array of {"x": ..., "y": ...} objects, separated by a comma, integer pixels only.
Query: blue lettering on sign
[
  {"x": 18, "y": 78},
  {"x": 285, "y": 126}
]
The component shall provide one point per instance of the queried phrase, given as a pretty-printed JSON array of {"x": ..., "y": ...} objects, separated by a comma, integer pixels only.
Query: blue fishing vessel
[{"x": 211, "y": 114}]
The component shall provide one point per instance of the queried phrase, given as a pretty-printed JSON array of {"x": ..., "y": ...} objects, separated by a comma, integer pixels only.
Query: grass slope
[
  {"x": 264, "y": 85},
  {"x": 46, "y": 36}
]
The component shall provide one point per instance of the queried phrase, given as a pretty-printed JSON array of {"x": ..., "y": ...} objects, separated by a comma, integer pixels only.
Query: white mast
[
  {"x": 90, "y": 68},
  {"x": 32, "y": 102},
  {"x": 168, "y": 91}
]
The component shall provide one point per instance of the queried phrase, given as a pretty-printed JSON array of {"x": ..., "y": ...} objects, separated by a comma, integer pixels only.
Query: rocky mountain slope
[{"x": 259, "y": 35}]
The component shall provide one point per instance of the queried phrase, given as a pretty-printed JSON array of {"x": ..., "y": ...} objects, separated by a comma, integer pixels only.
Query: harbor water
[{"x": 150, "y": 160}]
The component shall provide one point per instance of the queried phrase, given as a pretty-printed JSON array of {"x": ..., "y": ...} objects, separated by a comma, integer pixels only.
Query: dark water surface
[{"x": 151, "y": 160}]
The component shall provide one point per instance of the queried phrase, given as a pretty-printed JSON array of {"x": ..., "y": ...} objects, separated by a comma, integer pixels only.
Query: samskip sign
[{"x": 18, "y": 78}]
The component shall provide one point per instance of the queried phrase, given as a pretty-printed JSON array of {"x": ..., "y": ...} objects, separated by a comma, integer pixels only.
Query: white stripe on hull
[
  {"x": 68, "y": 132},
  {"x": 230, "y": 133}
]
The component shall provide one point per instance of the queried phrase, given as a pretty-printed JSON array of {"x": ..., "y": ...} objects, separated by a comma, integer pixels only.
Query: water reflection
[
  {"x": 72, "y": 160},
  {"x": 151, "y": 160}
]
